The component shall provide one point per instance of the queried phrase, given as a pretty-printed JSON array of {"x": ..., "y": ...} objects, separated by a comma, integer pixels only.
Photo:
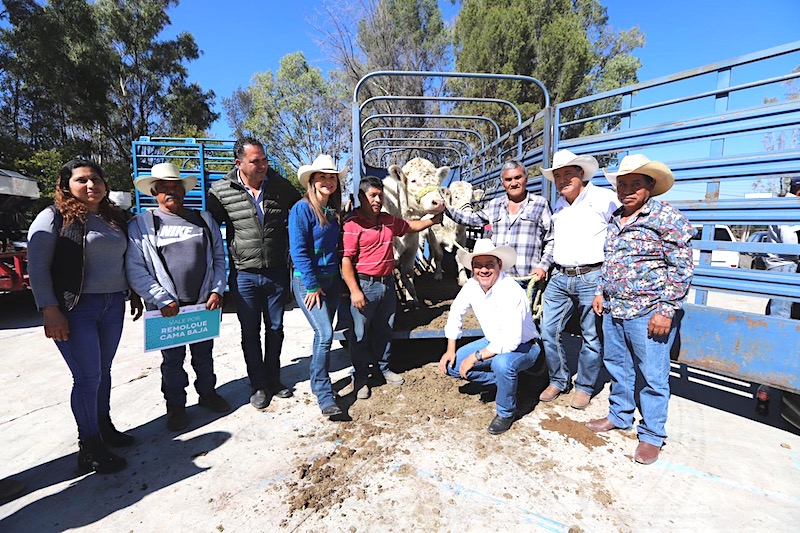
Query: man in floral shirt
[{"x": 644, "y": 279}]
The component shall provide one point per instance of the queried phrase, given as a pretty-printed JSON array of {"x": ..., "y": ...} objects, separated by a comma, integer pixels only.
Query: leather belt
[
  {"x": 579, "y": 270},
  {"x": 376, "y": 279}
]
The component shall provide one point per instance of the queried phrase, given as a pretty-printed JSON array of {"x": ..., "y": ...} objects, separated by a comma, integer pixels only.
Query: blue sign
[{"x": 194, "y": 323}]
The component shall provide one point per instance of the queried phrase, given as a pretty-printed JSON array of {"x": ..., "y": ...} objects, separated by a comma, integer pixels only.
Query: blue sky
[{"x": 249, "y": 36}]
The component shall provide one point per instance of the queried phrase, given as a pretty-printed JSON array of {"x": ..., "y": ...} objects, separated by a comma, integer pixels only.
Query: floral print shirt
[{"x": 648, "y": 262}]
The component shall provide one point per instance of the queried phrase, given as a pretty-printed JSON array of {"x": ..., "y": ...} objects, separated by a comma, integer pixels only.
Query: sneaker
[
  {"x": 363, "y": 392},
  {"x": 259, "y": 399},
  {"x": 176, "y": 417},
  {"x": 392, "y": 378},
  {"x": 214, "y": 402},
  {"x": 331, "y": 410},
  {"x": 580, "y": 400}
]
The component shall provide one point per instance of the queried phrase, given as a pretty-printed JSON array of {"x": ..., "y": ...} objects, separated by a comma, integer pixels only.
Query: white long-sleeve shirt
[
  {"x": 503, "y": 312},
  {"x": 579, "y": 229}
]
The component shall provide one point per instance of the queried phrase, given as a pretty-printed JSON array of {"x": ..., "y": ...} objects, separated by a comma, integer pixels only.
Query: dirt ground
[
  {"x": 429, "y": 412},
  {"x": 414, "y": 457},
  {"x": 436, "y": 297}
]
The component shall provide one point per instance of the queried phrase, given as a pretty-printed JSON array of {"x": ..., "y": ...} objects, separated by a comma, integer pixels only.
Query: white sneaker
[{"x": 392, "y": 378}]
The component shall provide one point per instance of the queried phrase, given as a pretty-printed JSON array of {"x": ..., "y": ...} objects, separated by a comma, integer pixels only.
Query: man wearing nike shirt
[{"x": 175, "y": 257}]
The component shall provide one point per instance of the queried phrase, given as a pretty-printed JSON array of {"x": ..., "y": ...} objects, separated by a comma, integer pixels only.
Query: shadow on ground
[{"x": 157, "y": 460}]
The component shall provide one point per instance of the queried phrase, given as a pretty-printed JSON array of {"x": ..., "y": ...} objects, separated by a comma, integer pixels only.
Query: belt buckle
[{"x": 578, "y": 271}]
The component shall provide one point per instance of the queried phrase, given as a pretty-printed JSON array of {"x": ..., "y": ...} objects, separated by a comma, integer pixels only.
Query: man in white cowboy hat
[
  {"x": 175, "y": 257},
  {"x": 503, "y": 311},
  {"x": 580, "y": 220},
  {"x": 644, "y": 280},
  {"x": 253, "y": 201},
  {"x": 520, "y": 219}
]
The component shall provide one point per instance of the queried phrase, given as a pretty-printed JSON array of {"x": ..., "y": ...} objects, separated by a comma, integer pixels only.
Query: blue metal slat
[{"x": 761, "y": 349}]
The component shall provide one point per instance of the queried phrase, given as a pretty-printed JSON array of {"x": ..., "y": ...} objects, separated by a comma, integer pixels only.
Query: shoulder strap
[{"x": 58, "y": 219}]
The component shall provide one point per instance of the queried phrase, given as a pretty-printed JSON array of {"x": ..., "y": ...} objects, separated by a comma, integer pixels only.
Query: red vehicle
[{"x": 17, "y": 194}]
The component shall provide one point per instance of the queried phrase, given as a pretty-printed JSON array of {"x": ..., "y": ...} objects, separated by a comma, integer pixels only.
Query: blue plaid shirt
[{"x": 530, "y": 233}]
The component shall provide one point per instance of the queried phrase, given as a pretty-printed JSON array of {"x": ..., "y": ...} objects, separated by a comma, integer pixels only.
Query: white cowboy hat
[
  {"x": 163, "y": 171},
  {"x": 323, "y": 163},
  {"x": 565, "y": 158},
  {"x": 640, "y": 164},
  {"x": 506, "y": 254}
]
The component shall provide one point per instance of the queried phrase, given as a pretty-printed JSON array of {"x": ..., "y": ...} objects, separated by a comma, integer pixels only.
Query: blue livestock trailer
[{"x": 728, "y": 130}]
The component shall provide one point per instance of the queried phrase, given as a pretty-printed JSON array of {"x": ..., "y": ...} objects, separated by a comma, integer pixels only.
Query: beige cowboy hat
[
  {"x": 565, "y": 158},
  {"x": 640, "y": 164},
  {"x": 505, "y": 254},
  {"x": 163, "y": 171},
  {"x": 323, "y": 163}
]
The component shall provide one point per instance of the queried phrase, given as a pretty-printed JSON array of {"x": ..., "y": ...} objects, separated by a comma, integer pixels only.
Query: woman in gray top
[{"x": 76, "y": 263}]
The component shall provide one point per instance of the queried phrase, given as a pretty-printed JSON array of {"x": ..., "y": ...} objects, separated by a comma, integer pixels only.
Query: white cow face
[
  {"x": 420, "y": 173},
  {"x": 433, "y": 201}
]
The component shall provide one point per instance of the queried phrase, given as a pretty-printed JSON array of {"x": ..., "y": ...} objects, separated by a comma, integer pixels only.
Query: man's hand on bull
[
  {"x": 358, "y": 300},
  {"x": 437, "y": 219},
  {"x": 539, "y": 273},
  {"x": 314, "y": 298}
]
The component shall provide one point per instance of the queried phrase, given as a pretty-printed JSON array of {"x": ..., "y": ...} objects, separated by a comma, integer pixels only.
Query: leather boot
[
  {"x": 110, "y": 435},
  {"x": 94, "y": 456}
]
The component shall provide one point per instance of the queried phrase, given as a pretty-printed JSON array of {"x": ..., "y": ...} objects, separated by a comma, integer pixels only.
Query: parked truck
[{"x": 17, "y": 195}]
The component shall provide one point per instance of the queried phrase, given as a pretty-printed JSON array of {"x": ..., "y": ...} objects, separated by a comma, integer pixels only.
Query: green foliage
[
  {"x": 297, "y": 112},
  {"x": 149, "y": 91},
  {"x": 87, "y": 78},
  {"x": 43, "y": 165},
  {"x": 566, "y": 44},
  {"x": 368, "y": 35}
]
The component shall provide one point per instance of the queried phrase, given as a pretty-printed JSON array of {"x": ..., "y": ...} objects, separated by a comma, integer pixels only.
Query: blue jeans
[
  {"x": 321, "y": 320},
  {"x": 257, "y": 294},
  {"x": 501, "y": 370},
  {"x": 369, "y": 337},
  {"x": 564, "y": 296},
  {"x": 776, "y": 306},
  {"x": 95, "y": 327},
  {"x": 174, "y": 378},
  {"x": 630, "y": 350}
]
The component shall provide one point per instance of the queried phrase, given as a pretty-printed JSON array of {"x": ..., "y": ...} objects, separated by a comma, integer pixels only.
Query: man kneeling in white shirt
[{"x": 511, "y": 339}]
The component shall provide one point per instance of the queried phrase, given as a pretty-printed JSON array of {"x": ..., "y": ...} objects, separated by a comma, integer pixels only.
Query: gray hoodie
[{"x": 147, "y": 274}]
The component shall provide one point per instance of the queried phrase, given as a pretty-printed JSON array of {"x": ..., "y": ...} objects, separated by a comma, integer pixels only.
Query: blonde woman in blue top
[{"x": 314, "y": 229}]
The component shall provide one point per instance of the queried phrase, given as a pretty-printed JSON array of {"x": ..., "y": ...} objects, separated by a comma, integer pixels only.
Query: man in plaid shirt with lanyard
[{"x": 520, "y": 219}]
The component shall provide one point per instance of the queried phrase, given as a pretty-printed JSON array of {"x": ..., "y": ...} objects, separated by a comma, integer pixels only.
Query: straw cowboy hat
[
  {"x": 323, "y": 163},
  {"x": 640, "y": 164},
  {"x": 565, "y": 158},
  {"x": 506, "y": 254},
  {"x": 166, "y": 172}
]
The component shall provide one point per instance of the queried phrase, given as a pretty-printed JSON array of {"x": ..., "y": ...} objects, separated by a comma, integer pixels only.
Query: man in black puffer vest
[{"x": 253, "y": 202}]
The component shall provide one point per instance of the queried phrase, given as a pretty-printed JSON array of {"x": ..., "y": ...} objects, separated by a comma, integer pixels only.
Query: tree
[
  {"x": 368, "y": 35},
  {"x": 566, "y": 44},
  {"x": 99, "y": 80},
  {"x": 296, "y": 111},
  {"x": 52, "y": 90},
  {"x": 149, "y": 93}
]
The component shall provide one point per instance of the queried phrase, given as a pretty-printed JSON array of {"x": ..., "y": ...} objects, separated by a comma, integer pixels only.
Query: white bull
[
  {"x": 411, "y": 192},
  {"x": 449, "y": 233}
]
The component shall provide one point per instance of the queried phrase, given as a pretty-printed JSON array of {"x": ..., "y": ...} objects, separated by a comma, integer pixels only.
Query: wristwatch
[{"x": 478, "y": 355}]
